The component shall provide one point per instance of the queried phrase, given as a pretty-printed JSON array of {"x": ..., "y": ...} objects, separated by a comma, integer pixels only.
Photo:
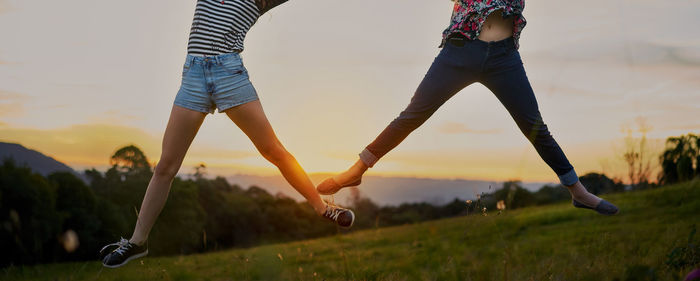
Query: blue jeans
[{"x": 496, "y": 65}]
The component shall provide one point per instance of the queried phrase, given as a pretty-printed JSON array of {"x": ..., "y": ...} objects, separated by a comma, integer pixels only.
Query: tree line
[{"x": 61, "y": 218}]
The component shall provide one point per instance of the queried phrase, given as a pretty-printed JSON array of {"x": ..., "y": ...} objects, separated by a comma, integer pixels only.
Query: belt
[{"x": 457, "y": 40}]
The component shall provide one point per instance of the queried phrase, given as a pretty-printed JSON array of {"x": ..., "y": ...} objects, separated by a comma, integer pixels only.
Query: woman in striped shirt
[{"x": 214, "y": 77}]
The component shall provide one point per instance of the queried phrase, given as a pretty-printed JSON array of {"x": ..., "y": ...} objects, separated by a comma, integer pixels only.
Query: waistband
[
  {"x": 216, "y": 59},
  {"x": 508, "y": 43}
]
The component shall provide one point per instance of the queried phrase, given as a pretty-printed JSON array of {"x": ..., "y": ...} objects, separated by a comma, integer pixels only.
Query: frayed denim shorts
[{"x": 214, "y": 82}]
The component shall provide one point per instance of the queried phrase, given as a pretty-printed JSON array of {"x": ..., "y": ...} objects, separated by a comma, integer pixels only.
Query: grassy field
[{"x": 555, "y": 242}]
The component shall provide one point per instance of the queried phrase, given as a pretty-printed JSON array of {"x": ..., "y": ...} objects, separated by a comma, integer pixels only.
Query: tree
[
  {"x": 129, "y": 159},
  {"x": 600, "y": 184},
  {"x": 680, "y": 161},
  {"x": 514, "y": 195},
  {"x": 179, "y": 227},
  {"x": 126, "y": 181},
  {"x": 30, "y": 223},
  {"x": 228, "y": 211},
  {"x": 550, "y": 194},
  {"x": 200, "y": 171},
  {"x": 366, "y": 211},
  {"x": 76, "y": 202},
  {"x": 637, "y": 155},
  {"x": 456, "y": 208}
]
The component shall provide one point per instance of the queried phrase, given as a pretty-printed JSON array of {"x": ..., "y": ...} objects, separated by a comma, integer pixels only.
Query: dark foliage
[
  {"x": 600, "y": 184},
  {"x": 201, "y": 214},
  {"x": 29, "y": 218},
  {"x": 680, "y": 161},
  {"x": 685, "y": 256}
]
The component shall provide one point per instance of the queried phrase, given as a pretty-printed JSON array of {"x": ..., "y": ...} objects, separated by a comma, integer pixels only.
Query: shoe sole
[
  {"x": 351, "y": 222},
  {"x": 583, "y": 206},
  {"x": 129, "y": 259}
]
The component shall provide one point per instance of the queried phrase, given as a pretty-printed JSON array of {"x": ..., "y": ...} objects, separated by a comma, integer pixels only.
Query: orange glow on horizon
[{"x": 87, "y": 146}]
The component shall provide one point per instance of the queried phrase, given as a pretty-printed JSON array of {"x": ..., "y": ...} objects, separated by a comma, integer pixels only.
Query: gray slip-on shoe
[{"x": 603, "y": 208}]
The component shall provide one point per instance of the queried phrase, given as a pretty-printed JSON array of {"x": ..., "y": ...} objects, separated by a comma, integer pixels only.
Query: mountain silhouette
[
  {"x": 386, "y": 190},
  {"x": 38, "y": 162}
]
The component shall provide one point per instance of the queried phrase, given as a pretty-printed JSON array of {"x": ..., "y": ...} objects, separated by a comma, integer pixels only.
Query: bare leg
[
  {"x": 182, "y": 127},
  {"x": 251, "y": 119}
]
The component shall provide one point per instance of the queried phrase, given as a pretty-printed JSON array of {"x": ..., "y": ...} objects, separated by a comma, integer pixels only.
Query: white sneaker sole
[
  {"x": 351, "y": 222},
  {"x": 127, "y": 260}
]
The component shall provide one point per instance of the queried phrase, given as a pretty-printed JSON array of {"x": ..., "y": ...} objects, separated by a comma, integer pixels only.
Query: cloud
[
  {"x": 11, "y": 104},
  {"x": 13, "y": 96},
  {"x": 4, "y": 7},
  {"x": 214, "y": 153},
  {"x": 512, "y": 162},
  {"x": 10, "y": 109},
  {"x": 626, "y": 53},
  {"x": 690, "y": 127},
  {"x": 90, "y": 145},
  {"x": 459, "y": 128},
  {"x": 113, "y": 116},
  {"x": 83, "y": 144},
  {"x": 678, "y": 53}
]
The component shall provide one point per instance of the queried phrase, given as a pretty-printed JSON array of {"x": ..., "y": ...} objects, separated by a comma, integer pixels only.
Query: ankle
[
  {"x": 360, "y": 166},
  {"x": 581, "y": 194},
  {"x": 357, "y": 170},
  {"x": 578, "y": 184},
  {"x": 137, "y": 242},
  {"x": 584, "y": 196},
  {"x": 577, "y": 189},
  {"x": 320, "y": 210}
]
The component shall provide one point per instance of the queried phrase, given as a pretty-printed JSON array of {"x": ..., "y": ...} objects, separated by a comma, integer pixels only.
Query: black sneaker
[
  {"x": 124, "y": 252},
  {"x": 343, "y": 217}
]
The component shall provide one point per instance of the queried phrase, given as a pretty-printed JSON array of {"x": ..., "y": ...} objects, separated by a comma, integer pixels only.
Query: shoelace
[
  {"x": 334, "y": 213},
  {"x": 123, "y": 246}
]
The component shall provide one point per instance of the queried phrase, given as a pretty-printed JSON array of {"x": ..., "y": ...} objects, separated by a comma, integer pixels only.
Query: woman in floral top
[
  {"x": 480, "y": 45},
  {"x": 469, "y": 15}
]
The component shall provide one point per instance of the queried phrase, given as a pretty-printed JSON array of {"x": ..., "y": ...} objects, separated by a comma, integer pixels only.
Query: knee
[
  {"x": 411, "y": 120},
  {"x": 166, "y": 169},
  {"x": 535, "y": 130},
  {"x": 275, "y": 153}
]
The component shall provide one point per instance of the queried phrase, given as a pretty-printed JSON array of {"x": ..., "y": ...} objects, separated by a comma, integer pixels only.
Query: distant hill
[
  {"x": 388, "y": 190},
  {"x": 38, "y": 162},
  {"x": 382, "y": 190}
]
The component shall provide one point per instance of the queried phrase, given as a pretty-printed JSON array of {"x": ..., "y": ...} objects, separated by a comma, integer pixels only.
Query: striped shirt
[{"x": 219, "y": 27}]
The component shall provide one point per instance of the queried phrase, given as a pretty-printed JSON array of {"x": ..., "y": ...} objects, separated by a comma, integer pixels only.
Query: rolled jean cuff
[
  {"x": 568, "y": 179},
  {"x": 368, "y": 158}
]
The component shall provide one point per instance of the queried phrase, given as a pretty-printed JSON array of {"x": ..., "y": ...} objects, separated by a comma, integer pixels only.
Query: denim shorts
[{"x": 214, "y": 82}]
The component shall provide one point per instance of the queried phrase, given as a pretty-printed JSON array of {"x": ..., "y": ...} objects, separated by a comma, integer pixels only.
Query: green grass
[{"x": 555, "y": 242}]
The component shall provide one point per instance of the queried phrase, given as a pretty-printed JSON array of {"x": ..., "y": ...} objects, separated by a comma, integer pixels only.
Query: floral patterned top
[{"x": 469, "y": 15}]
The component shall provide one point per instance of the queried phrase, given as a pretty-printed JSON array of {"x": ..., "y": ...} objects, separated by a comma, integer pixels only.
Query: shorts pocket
[{"x": 233, "y": 66}]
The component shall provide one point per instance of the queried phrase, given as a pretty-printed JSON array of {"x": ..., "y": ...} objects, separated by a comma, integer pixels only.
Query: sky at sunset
[{"x": 79, "y": 79}]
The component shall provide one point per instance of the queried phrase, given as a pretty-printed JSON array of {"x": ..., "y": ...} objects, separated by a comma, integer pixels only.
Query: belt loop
[{"x": 219, "y": 59}]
